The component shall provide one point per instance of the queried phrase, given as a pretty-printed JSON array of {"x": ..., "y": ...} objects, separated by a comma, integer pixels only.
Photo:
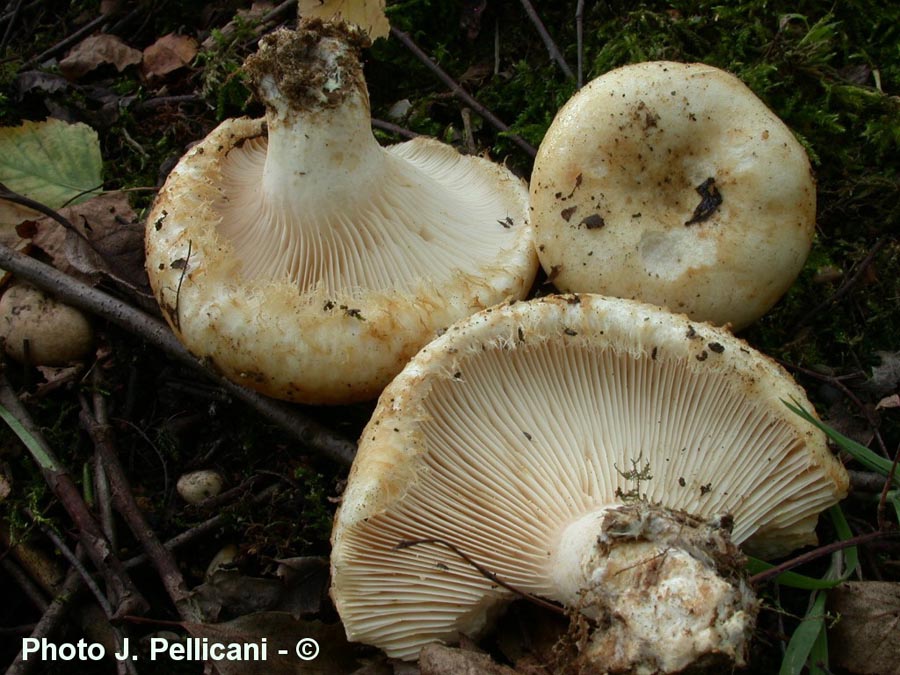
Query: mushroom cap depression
[
  {"x": 308, "y": 262},
  {"x": 518, "y": 422},
  {"x": 674, "y": 184}
]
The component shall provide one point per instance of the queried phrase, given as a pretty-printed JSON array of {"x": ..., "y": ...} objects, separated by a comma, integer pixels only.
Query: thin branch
[
  {"x": 96, "y": 423},
  {"x": 485, "y": 572},
  {"x": 69, "y": 555},
  {"x": 555, "y": 54},
  {"x": 817, "y": 553},
  {"x": 87, "y": 298},
  {"x": 52, "y": 618},
  {"x": 461, "y": 93},
  {"x": 127, "y": 597},
  {"x": 31, "y": 589},
  {"x": 846, "y": 286},
  {"x": 393, "y": 128},
  {"x": 67, "y": 42},
  {"x": 201, "y": 529}
]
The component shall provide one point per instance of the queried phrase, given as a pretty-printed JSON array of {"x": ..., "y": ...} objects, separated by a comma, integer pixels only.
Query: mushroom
[
  {"x": 672, "y": 183},
  {"x": 308, "y": 262},
  {"x": 196, "y": 487},
  {"x": 37, "y": 329},
  {"x": 600, "y": 453}
]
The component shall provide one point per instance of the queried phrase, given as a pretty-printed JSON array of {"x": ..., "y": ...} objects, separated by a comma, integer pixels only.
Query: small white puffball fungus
[
  {"x": 601, "y": 453},
  {"x": 37, "y": 329},
  {"x": 674, "y": 184},
  {"x": 198, "y": 486},
  {"x": 306, "y": 261}
]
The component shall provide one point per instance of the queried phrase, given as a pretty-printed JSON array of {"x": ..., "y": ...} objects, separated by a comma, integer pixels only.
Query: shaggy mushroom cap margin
[
  {"x": 672, "y": 183},
  {"x": 518, "y": 434},
  {"x": 310, "y": 263}
]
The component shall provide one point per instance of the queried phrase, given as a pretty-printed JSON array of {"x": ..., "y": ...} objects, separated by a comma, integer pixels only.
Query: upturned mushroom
[
  {"x": 601, "y": 453},
  {"x": 306, "y": 261},
  {"x": 672, "y": 183}
]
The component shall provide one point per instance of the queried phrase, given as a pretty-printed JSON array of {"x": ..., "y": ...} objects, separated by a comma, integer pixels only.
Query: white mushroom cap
[
  {"x": 674, "y": 184},
  {"x": 308, "y": 262},
  {"x": 38, "y": 329},
  {"x": 515, "y": 434}
]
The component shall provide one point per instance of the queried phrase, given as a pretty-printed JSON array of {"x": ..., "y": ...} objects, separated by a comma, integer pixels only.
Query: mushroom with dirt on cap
[
  {"x": 672, "y": 183},
  {"x": 308, "y": 262},
  {"x": 600, "y": 453}
]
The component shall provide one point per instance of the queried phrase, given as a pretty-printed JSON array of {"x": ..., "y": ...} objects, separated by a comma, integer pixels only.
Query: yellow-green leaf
[
  {"x": 367, "y": 14},
  {"x": 51, "y": 162}
]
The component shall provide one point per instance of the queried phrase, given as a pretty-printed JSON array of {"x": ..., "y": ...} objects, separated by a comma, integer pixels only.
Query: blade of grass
[
  {"x": 835, "y": 575},
  {"x": 818, "y": 655},
  {"x": 804, "y": 638},
  {"x": 859, "y": 452},
  {"x": 40, "y": 454}
]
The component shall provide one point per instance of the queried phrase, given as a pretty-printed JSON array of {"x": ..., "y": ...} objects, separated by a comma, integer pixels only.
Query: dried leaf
[
  {"x": 367, "y": 14},
  {"x": 50, "y": 162},
  {"x": 39, "y": 81},
  {"x": 892, "y": 401},
  {"x": 886, "y": 375},
  {"x": 116, "y": 238},
  {"x": 283, "y": 633},
  {"x": 57, "y": 377},
  {"x": 300, "y": 591},
  {"x": 168, "y": 53},
  {"x": 95, "y": 51},
  {"x": 864, "y": 638}
]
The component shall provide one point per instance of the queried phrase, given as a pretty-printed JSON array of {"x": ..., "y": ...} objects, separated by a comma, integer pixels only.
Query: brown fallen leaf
[
  {"x": 367, "y": 14},
  {"x": 95, "y": 51},
  {"x": 863, "y": 640},
  {"x": 892, "y": 401},
  {"x": 298, "y": 593},
  {"x": 167, "y": 54},
  {"x": 116, "y": 236}
]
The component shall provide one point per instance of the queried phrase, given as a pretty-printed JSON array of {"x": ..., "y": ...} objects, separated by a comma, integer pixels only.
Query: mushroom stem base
[{"x": 662, "y": 592}]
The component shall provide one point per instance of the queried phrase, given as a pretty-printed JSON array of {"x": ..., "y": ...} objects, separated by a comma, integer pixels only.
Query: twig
[
  {"x": 65, "y": 43},
  {"x": 817, "y": 553},
  {"x": 393, "y": 128},
  {"x": 51, "y": 618},
  {"x": 10, "y": 15},
  {"x": 485, "y": 572},
  {"x": 152, "y": 104},
  {"x": 579, "y": 38},
  {"x": 127, "y": 597},
  {"x": 77, "y": 565},
  {"x": 461, "y": 93},
  {"x": 103, "y": 501},
  {"x": 9, "y": 27},
  {"x": 555, "y": 54},
  {"x": 200, "y": 529},
  {"x": 846, "y": 286},
  {"x": 837, "y": 382},
  {"x": 96, "y": 423},
  {"x": 35, "y": 594},
  {"x": 84, "y": 297},
  {"x": 49, "y": 621}
]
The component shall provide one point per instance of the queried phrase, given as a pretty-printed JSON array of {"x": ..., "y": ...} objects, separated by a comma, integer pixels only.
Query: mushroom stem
[
  {"x": 664, "y": 588},
  {"x": 321, "y": 144}
]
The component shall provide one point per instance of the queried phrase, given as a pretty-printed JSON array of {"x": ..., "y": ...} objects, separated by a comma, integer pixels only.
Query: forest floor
[{"x": 830, "y": 71}]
